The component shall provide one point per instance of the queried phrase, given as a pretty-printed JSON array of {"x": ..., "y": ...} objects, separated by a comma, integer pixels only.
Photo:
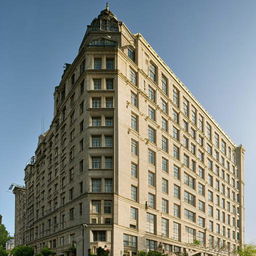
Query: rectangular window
[
  {"x": 151, "y": 134},
  {"x": 96, "y": 185},
  {"x": 164, "y": 85},
  {"x": 210, "y": 196},
  {"x": 201, "y": 189},
  {"x": 108, "y": 185},
  {"x": 185, "y": 107},
  {"x": 165, "y": 227},
  {"x": 208, "y": 131},
  {"x": 201, "y": 237},
  {"x": 96, "y": 102},
  {"x": 165, "y": 164},
  {"x": 97, "y": 84},
  {"x": 109, "y": 102},
  {"x": 134, "y": 193},
  {"x": 164, "y": 106},
  {"x": 165, "y": 144},
  {"x": 96, "y": 141},
  {"x": 175, "y": 116},
  {"x": 176, "y": 231},
  {"x": 186, "y": 160},
  {"x": 190, "y": 215},
  {"x": 110, "y": 63},
  {"x": 210, "y": 211},
  {"x": 151, "y": 223},
  {"x": 201, "y": 206},
  {"x": 151, "y": 245},
  {"x": 97, "y": 63},
  {"x": 134, "y": 213},
  {"x": 151, "y": 157},
  {"x": 176, "y": 210},
  {"x": 165, "y": 206},
  {"x": 176, "y": 191},
  {"x": 175, "y": 97},
  {"x": 134, "y": 147},
  {"x": 96, "y": 206},
  {"x": 164, "y": 124},
  {"x": 82, "y": 67},
  {"x": 175, "y": 133},
  {"x": 176, "y": 152},
  {"x": 151, "y": 113},
  {"x": 96, "y": 121},
  {"x": 151, "y": 200},
  {"x": 151, "y": 94},
  {"x": 201, "y": 222},
  {"x": 107, "y": 206},
  {"x": 134, "y": 99},
  {"x": 223, "y": 147},
  {"x": 201, "y": 172},
  {"x": 152, "y": 72},
  {"x": 130, "y": 241},
  {"x": 201, "y": 123},
  {"x": 176, "y": 172},
  {"x": 165, "y": 186},
  {"x": 151, "y": 179},
  {"x": 99, "y": 236},
  {"x": 96, "y": 162},
  {"x": 189, "y": 198},
  {"x": 110, "y": 83},
  {"x": 108, "y": 121},
  {"x": 71, "y": 214},
  {"x": 189, "y": 180},
  {"x": 193, "y": 115},
  {"x": 133, "y": 77},
  {"x": 108, "y": 162},
  {"x": 134, "y": 122},
  {"x": 131, "y": 54},
  {"x": 134, "y": 170}
]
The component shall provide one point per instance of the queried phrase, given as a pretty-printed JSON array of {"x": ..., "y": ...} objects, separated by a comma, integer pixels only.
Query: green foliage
[
  {"x": 23, "y": 250},
  {"x": 3, "y": 252},
  {"x": 247, "y": 250},
  {"x": 142, "y": 253},
  {"x": 196, "y": 242},
  {"x": 4, "y": 235},
  {"x": 46, "y": 252},
  {"x": 102, "y": 252}
]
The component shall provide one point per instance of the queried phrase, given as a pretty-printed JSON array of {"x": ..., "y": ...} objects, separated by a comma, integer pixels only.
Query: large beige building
[
  {"x": 20, "y": 214},
  {"x": 131, "y": 161}
]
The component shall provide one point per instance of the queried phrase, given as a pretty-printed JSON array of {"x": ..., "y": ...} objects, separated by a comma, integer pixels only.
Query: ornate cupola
[{"x": 105, "y": 22}]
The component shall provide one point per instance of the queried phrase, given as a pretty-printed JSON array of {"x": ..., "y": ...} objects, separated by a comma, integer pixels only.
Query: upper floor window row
[
  {"x": 104, "y": 63},
  {"x": 103, "y": 84}
]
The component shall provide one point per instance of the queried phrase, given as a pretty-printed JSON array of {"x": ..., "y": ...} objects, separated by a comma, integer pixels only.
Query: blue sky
[{"x": 210, "y": 45}]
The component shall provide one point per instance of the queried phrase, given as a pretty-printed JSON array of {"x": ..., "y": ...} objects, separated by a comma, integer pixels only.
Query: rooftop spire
[{"x": 107, "y": 6}]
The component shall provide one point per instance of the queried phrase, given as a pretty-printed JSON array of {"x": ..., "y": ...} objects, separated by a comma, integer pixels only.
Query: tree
[
  {"x": 142, "y": 253},
  {"x": 102, "y": 252},
  {"x": 46, "y": 252},
  {"x": 3, "y": 252},
  {"x": 4, "y": 235},
  {"x": 247, "y": 250},
  {"x": 23, "y": 250}
]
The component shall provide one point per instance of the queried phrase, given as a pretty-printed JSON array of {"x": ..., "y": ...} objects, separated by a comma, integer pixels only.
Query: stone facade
[
  {"x": 20, "y": 214},
  {"x": 131, "y": 161}
]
